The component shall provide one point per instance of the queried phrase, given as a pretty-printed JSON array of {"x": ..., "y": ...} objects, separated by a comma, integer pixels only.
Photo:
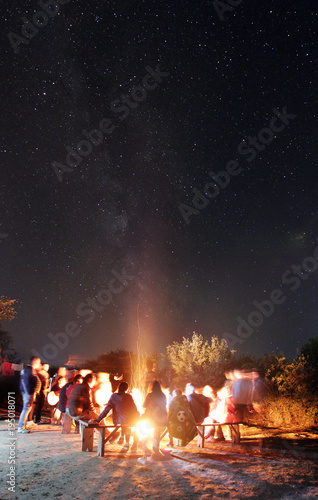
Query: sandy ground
[{"x": 266, "y": 465}]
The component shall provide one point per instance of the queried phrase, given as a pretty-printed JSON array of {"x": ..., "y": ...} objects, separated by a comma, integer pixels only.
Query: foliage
[
  {"x": 293, "y": 379},
  {"x": 243, "y": 361},
  {"x": 310, "y": 351},
  {"x": 267, "y": 362},
  {"x": 5, "y": 342},
  {"x": 197, "y": 361},
  {"x": 7, "y": 311},
  {"x": 282, "y": 411}
]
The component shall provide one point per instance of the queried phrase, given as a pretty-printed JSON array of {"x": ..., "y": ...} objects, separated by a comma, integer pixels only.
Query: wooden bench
[
  {"x": 87, "y": 436},
  {"x": 234, "y": 432}
]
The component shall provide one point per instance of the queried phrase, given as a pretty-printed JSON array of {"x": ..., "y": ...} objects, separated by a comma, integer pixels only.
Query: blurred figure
[
  {"x": 224, "y": 412},
  {"x": 260, "y": 388},
  {"x": 215, "y": 432},
  {"x": 63, "y": 403},
  {"x": 80, "y": 404},
  {"x": 199, "y": 404},
  {"x": 242, "y": 393},
  {"x": 150, "y": 374},
  {"x": 53, "y": 398},
  {"x": 62, "y": 393},
  {"x": 44, "y": 379},
  {"x": 78, "y": 379},
  {"x": 155, "y": 406},
  {"x": 102, "y": 390},
  {"x": 61, "y": 372},
  {"x": 35, "y": 396},
  {"x": 28, "y": 382}
]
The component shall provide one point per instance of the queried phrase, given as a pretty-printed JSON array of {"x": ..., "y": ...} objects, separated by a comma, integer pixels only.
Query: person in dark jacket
[
  {"x": 80, "y": 404},
  {"x": 62, "y": 394},
  {"x": 65, "y": 393},
  {"x": 125, "y": 412},
  {"x": 35, "y": 397},
  {"x": 44, "y": 378},
  {"x": 28, "y": 383},
  {"x": 198, "y": 403}
]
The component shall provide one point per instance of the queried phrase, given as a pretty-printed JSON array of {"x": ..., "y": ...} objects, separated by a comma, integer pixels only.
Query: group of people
[
  {"x": 180, "y": 413},
  {"x": 124, "y": 412}
]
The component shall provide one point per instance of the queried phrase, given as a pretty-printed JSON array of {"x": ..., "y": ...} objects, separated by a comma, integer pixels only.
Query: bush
[
  {"x": 282, "y": 411},
  {"x": 199, "y": 362},
  {"x": 294, "y": 379},
  {"x": 310, "y": 351}
]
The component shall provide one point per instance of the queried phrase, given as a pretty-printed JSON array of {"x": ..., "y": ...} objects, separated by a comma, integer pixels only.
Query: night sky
[{"x": 132, "y": 227}]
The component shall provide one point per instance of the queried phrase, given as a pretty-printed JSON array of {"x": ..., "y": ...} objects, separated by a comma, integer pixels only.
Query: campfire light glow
[
  {"x": 138, "y": 399},
  {"x": 85, "y": 372},
  {"x": 144, "y": 429}
]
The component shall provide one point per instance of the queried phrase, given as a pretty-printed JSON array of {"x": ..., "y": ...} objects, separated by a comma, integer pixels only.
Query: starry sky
[{"x": 117, "y": 119}]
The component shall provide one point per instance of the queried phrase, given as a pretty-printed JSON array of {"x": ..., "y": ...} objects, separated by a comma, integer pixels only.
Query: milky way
[{"x": 173, "y": 142}]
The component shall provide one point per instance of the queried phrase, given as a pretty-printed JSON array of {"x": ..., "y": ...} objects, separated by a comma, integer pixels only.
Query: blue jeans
[{"x": 27, "y": 402}]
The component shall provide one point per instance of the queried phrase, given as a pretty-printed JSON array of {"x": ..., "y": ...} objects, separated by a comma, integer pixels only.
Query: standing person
[
  {"x": 44, "y": 379},
  {"x": 155, "y": 406},
  {"x": 80, "y": 404},
  {"x": 242, "y": 392},
  {"x": 125, "y": 413},
  {"x": 35, "y": 397},
  {"x": 28, "y": 383}
]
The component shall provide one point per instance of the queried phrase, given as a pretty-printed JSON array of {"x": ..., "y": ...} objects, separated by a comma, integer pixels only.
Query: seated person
[
  {"x": 64, "y": 397},
  {"x": 53, "y": 400},
  {"x": 181, "y": 422},
  {"x": 125, "y": 413},
  {"x": 80, "y": 404},
  {"x": 199, "y": 404}
]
